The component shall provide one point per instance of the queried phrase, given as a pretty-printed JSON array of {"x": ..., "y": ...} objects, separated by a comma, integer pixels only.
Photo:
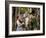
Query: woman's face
[{"x": 20, "y": 18}]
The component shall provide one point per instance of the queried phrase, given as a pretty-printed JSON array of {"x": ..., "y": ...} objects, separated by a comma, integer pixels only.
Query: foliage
[
  {"x": 23, "y": 9},
  {"x": 34, "y": 23}
]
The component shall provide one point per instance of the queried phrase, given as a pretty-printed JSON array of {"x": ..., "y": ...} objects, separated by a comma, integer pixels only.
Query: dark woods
[{"x": 24, "y": 18}]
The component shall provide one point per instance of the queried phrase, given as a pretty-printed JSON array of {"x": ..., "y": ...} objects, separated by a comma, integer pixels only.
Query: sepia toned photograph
[{"x": 25, "y": 18}]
